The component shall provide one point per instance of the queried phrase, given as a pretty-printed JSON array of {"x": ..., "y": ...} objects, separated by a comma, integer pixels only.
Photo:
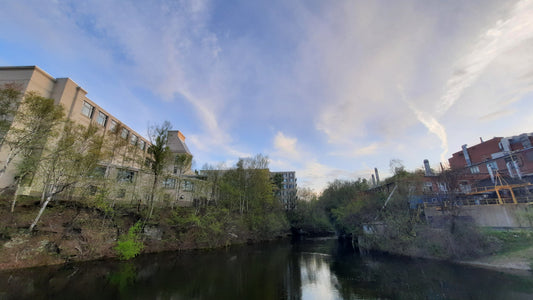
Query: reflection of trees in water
[
  {"x": 421, "y": 279},
  {"x": 267, "y": 271},
  {"x": 124, "y": 277}
]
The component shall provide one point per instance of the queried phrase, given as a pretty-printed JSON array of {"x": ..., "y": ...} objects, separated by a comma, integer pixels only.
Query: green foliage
[
  {"x": 160, "y": 156},
  {"x": 511, "y": 240},
  {"x": 36, "y": 122},
  {"x": 124, "y": 277},
  {"x": 159, "y": 151},
  {"x": 130, "y": 244},
  {"x": 209, "y": 226},
  {"x": 100, "y": 201},
  {"x": 9, "y": 102},
  {"x": 310, "y": 217},
  {"x": 340, "y": 195}
]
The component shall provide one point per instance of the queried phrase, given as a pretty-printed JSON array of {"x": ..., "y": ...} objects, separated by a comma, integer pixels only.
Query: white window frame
[
  {"x": 87, "y": 109},
  {"x": 101, "y": 119},
  {"x": 124, "y": 133},
  {"x": 113, "y": 126}
]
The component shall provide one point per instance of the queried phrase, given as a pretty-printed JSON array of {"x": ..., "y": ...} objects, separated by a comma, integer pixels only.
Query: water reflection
[
  {"x": 301, "y": 270},
  {"x": 317, "y": 280}
]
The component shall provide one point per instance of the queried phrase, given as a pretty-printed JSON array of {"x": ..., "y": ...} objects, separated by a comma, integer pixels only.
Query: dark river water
[{"x": 308, "y": 269}]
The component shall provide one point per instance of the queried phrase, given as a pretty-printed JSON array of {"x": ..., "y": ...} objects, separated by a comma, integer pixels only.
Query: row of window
[
  {"x": 170, "y": 183},
  {"x": 88, "y": 111}
]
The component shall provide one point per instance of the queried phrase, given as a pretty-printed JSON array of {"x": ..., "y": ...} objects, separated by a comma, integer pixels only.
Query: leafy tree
[
  {"x": 69, "y": 162},
  {"x": 160, "y": 157},
  {"x": 130, "y": 245},
  {"x": 248, "y": 191},
  {"x": 32, "y": 126},
  {"x": 35, "y": 123},
  {"x": 9, "y": 102}
]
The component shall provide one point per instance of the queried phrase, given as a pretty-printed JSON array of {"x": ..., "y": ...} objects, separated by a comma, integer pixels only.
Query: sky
[{"x": 329, "y": 89}]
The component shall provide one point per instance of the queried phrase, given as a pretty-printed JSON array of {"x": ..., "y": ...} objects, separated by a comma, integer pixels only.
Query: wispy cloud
[{"x": 313, "y": 84}]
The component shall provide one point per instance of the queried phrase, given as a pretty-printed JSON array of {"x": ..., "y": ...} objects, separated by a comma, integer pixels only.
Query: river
[{"x": 306, "y": 269}]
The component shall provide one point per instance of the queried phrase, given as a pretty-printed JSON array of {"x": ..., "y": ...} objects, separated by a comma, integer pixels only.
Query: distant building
[{"x": 288, "y": 187}]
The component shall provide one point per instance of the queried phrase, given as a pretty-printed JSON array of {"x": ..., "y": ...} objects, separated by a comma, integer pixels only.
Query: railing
[{"x": 479, "y": 201}]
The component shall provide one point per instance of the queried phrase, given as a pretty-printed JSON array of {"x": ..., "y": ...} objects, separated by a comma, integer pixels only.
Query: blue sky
[{"x": 329, "y": 89}]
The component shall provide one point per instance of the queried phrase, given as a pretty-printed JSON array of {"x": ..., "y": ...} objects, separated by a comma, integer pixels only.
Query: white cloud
[{"x": 285, "y": 146}]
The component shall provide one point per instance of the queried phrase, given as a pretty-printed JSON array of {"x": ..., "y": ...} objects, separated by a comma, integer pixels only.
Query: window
[
  {"x": 87, "y": 109},
  {"x": 124, "y": 175},
  {"x": 465, "y": 187},
  {"x": 187, "y": 186},
  {"x": 113, "y": 126},
  {"x": 124, "y": 133},
  {"x": 133, "y": 139},
  {"x": 492, "y": 165},
  {"x": 102, "y": 118},
  {"x": 98, "y": 172},
  {"x": 142, "y": 145},
  {"x": 148, "y": 162},
  {"x": 169, "y": 183},
  {"x": 474, "y": 170},
  {"x": 428, "y": 186}
]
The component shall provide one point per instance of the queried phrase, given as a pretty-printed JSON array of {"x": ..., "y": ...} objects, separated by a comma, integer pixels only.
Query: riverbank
[
  {"x": 71, "y": 231},
  {"x": 519, "y": 260}
]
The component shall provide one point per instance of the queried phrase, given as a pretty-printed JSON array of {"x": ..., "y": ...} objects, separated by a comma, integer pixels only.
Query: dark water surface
[{"x": 309, "y": 269}]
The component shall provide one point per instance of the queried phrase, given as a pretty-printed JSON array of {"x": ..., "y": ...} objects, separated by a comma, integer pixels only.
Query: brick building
[{"x": 509, "y": 156}]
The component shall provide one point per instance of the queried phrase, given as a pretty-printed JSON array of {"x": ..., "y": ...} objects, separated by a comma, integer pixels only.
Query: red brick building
[{"x": 509, "y": 156}]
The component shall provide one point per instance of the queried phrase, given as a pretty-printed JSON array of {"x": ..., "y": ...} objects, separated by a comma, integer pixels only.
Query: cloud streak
[{"x": 505, "y": 35}]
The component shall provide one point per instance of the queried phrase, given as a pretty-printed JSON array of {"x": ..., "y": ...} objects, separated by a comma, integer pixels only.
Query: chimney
[
  {"x": 427, "y": 168},
  {"x": 373, "y": 180},
  {"x": 481, "y": 139},
  {"x": 467, "y": 157},
  {"x": 181, "y": 136},
  {"x": 377, "y": 175}
]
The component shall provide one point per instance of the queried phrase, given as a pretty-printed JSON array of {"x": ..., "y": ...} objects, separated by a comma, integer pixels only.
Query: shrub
[{"x": 130, "y": 244}]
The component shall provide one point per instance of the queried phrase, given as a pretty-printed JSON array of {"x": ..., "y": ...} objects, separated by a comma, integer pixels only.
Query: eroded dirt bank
[{"x": 70, "y": 231}]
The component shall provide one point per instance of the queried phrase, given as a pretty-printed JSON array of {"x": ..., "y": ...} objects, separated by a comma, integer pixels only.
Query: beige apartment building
[{"x": 127, "y": 170}]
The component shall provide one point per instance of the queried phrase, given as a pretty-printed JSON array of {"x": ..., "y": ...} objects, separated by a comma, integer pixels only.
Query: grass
[{"x": 512, "y": 240}]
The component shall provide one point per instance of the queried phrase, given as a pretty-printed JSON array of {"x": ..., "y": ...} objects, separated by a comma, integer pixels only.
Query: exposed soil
[{"x": 72, "y": 231}]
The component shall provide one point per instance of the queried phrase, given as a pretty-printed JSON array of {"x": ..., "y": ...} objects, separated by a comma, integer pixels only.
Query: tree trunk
[
  {"x": 6, "y": 163},
  {"x": 154, "y": 186},
  {"x": 43, "y": 207},
  {"x": 14, "y": 202}
]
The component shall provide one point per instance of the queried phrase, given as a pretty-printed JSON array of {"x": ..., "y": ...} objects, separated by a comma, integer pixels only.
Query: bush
[{"x": 130, "y": 244}]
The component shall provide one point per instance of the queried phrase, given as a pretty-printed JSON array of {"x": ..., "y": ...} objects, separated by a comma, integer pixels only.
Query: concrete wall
[{"x": 506, "y": 215}]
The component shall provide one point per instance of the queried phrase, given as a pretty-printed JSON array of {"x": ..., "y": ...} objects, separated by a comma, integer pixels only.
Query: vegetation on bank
[
  {"x": 385, "y": 220},
  {"x": 67, "y": 163},
  {"x": 77, "y": 219}
]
